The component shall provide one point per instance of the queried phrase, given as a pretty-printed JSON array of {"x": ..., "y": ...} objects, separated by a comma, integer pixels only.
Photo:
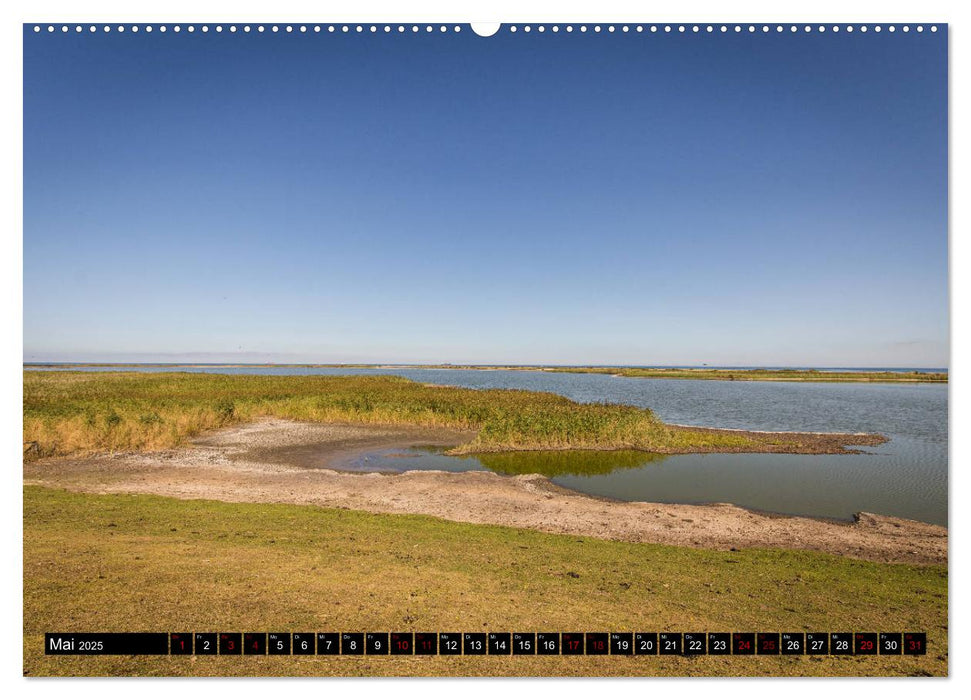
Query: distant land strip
[{"x": 707, "y": 373}]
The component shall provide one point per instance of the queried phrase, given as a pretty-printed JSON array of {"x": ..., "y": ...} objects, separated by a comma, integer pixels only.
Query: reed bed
[{"x": 70, "y": 413}]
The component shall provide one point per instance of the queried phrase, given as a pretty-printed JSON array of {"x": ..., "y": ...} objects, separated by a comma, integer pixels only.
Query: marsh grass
[{"x": 68, "y": 413}]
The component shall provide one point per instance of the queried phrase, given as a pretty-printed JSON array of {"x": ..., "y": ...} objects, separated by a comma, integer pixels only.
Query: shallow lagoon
[{"x": 906, "y": 476}]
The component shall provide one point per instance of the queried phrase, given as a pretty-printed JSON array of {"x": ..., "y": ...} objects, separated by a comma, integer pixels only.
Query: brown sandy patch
[{"x": 267, "y": 461}]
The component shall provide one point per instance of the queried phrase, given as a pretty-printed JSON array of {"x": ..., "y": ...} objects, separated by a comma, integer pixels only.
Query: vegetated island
[
  {"x": 711, "y": 373},
  {"x": 71, "y": 413}
]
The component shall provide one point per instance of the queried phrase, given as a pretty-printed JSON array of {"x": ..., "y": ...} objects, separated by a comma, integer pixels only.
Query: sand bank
[{"x": 281, "y": 461}]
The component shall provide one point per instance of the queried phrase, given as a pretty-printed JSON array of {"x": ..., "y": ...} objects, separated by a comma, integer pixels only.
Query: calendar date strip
[{"x": 484, "y": 643}]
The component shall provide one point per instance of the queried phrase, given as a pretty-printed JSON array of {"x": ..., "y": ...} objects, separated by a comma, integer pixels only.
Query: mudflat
[{"x": 282, "y": 461}]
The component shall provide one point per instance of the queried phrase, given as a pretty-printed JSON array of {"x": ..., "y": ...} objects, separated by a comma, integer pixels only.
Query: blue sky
[{"x": 735, "y": 199}]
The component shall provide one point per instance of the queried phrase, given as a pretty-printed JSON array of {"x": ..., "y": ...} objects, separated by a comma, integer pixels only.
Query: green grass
[
  {"x": 69, "y": 413},
  {"x": 145, "y": 563}
]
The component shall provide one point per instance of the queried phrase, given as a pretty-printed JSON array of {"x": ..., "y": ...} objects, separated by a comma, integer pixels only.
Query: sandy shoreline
[{"x": 280, "y": 461}]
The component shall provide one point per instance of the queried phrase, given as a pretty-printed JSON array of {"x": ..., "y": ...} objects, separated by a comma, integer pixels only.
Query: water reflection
[
  {"x": 550, "y": 463},
  {"x": 566, "y": 462}
]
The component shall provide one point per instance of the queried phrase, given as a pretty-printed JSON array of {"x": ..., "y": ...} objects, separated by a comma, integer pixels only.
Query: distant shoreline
[{"x": 834, "y": 375}]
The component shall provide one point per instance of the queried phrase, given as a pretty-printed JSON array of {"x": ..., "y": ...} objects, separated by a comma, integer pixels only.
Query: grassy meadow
[
  {"x": 69, "y": 413},
  {"x": 146, "y": 563}
]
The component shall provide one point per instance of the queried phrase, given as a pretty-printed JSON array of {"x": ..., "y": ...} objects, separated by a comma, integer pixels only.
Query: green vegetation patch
[{"x": 146, "y": 563}]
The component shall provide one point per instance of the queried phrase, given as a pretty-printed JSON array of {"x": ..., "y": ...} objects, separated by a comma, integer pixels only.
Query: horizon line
[{"x": 461, "y": 365}]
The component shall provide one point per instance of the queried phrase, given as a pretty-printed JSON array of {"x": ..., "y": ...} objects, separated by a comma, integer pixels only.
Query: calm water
[{"x": 906, "y": 476}]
